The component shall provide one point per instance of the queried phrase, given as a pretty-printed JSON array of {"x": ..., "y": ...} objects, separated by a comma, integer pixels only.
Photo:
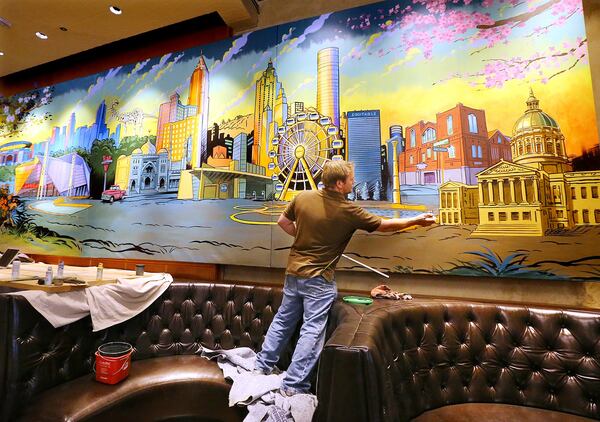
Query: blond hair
[{"x": 336, "y": 170}]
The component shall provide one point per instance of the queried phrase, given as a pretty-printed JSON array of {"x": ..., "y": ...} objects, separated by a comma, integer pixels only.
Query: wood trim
[
  {"x": 447, "y": 299},
  {"x": 178, "y": 269},
  {"x": 201, "y": 272},
  {"x": 452, "y": 299}
]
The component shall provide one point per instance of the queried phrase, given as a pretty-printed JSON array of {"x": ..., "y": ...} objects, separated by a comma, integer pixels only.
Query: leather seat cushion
[
  {"x": 477, "y": 412},
  {"x": 170, "y": 387}
]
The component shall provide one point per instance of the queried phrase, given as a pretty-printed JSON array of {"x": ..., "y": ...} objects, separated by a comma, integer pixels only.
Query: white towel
[
  {"x": 108, "y": 305},
  {"x": 112, "y": 304},
  {"x": 58, "y": 308}
]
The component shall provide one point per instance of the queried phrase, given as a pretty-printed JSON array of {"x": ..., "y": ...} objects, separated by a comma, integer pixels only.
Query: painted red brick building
[{"x": 470, "y": 148}]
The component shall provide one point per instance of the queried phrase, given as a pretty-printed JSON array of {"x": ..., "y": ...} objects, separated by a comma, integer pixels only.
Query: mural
[{"x": 480, "y": 111}]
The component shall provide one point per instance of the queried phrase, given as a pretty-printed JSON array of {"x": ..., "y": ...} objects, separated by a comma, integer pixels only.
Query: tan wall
[{"x": 559, "y": 293}]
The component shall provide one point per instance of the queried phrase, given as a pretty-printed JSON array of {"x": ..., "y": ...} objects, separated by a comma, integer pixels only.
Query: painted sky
[{"x": 408, "y": 59}]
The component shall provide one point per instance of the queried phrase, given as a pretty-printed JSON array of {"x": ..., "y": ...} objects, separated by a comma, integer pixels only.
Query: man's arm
[
  {"x": 287, "y": 225},
  {"x": 395, "y": 224}
]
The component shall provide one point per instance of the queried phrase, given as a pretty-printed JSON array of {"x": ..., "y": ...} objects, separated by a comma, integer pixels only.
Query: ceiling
[{"x": 90, "y": 24}]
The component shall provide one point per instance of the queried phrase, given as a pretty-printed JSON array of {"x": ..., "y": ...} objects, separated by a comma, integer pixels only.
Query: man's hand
[{"x": 424, "y": 220}]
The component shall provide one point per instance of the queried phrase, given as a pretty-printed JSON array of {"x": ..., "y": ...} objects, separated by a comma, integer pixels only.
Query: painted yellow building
[
  {"x": 230, "y": 182},
  {"x": 511, "y": 201},
  {"x": 270, "y": 112},
  {"x": 122, "y": 171},
  {"x": 583, "y": 193},
  {"x": 535, "y": 192},
  {"x": 458, "y": 204}
]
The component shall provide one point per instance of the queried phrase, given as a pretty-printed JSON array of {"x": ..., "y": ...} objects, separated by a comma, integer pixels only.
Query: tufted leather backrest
[
  {"x": 415, "y": 357},
  {"x": 3, "y": 343},
  {"x": 186, "y": 316}
]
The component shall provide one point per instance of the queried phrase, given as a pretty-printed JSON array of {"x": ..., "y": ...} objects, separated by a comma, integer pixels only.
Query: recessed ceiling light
[
  {"x": 1, "y": 53},
  {"x": 41, "y": 35},
  {"x": 115, "y": 10},
  {"x": 62, "y": 28}
]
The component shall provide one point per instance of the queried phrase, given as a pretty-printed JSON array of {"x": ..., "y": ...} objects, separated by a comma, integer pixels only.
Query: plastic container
[
  {"x": 99, "y": 271},
  {"x": 358, "y": 300},
  {"x": 112, "y": 362},
  {"x": 48, "y": 278},
  {"x": 16, "y": 269}
]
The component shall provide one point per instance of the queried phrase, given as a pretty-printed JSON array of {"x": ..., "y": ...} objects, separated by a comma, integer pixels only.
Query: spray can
[
  {"x": 48, "y": 280},
  {"x": 16, "y": 269},
  {"x": 61, "y": 269},
  {"x": 99, "y": 271}
]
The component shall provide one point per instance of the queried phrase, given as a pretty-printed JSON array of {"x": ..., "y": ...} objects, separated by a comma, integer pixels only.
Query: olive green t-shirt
[{"x": 325, "y": 222}]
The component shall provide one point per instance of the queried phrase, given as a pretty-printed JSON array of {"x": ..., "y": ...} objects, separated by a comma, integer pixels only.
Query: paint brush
[
  {"x": 358, "y": 262},
  {"x": 366, "y": 266}
]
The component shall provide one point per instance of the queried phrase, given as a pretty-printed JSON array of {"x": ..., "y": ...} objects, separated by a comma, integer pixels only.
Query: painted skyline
[{"x": 393, "y": 57}]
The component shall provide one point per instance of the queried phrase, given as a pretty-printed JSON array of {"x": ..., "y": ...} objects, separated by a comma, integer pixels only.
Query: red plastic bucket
[{"x": 113, "y": 361}]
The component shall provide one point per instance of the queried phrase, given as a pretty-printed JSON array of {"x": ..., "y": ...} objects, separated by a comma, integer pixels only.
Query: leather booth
[
  {"x": 461, "y": 361},
  {"x": 390, "y": 361},
  {"x": 47, "y": 372}
]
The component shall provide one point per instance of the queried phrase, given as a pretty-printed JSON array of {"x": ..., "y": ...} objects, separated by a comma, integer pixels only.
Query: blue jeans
[{"x": 310, "y": 298}]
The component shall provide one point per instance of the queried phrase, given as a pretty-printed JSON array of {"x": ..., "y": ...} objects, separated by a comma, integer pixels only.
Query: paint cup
[{"x": 139, "y": 269}]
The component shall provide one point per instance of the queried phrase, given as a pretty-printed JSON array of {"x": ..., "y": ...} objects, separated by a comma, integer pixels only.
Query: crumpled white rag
[
  {"x": 260, "y": 393},
  {"x": 108, "y": 304}
]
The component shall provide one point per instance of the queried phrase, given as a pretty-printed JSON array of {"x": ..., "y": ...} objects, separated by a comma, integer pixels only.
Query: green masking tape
[{"x": 358, "y": 300}]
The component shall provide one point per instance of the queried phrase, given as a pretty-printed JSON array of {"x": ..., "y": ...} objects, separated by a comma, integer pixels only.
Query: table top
[{"x": 30, "y": 272}]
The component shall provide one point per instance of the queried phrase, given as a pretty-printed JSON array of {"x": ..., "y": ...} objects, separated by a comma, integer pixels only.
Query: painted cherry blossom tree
[
  {"x": 18, "y": 110},
  {"x": 426, "y": 24}
]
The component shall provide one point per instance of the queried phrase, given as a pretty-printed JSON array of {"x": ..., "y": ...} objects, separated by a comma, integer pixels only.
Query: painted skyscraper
[
  {"x": 270, "y": 112},
  {"x": 364, "y": 141},
  {"x": 328, "y": 83},
  {"x": 394, "y": 146},
  {"x": 198, "y": 96},
  {"x": 181, "y": 127},
  {"x": 101, "y": 131}
]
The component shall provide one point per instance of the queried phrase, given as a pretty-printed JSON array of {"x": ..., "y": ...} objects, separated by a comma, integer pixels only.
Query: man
[{"x": 322, "y": 223}]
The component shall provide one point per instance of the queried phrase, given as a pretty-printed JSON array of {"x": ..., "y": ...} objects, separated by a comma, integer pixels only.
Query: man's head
[{"x": 339, "y": 176}]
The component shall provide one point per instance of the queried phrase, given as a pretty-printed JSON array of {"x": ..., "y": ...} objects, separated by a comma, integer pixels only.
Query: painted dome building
[
  {"x": 533, "y": 193},
  {"x": 537, "y": 140}
]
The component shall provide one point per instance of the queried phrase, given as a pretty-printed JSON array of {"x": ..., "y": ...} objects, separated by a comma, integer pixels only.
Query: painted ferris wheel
[{"x": 299, "y": 151}]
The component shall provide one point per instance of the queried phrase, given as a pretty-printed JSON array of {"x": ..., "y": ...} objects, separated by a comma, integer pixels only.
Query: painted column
[
  {"x": 480, "y": 185},
  {"x": 523, "y": 192},
  {"x": 201, "y": 187},
  {"x": 395, "y": 179},
  {"x": 513, "y": 192},
  {"x": 501, "y": 191},
  {"x": 71, "y": 171},
  {"x": 536, "y": 198},
  {"x": 42, "y": 182},
  {"x": 491, "y": 192}
]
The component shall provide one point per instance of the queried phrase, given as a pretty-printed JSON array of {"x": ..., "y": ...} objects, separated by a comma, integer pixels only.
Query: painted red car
[{"x": 114, "y": 193}]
